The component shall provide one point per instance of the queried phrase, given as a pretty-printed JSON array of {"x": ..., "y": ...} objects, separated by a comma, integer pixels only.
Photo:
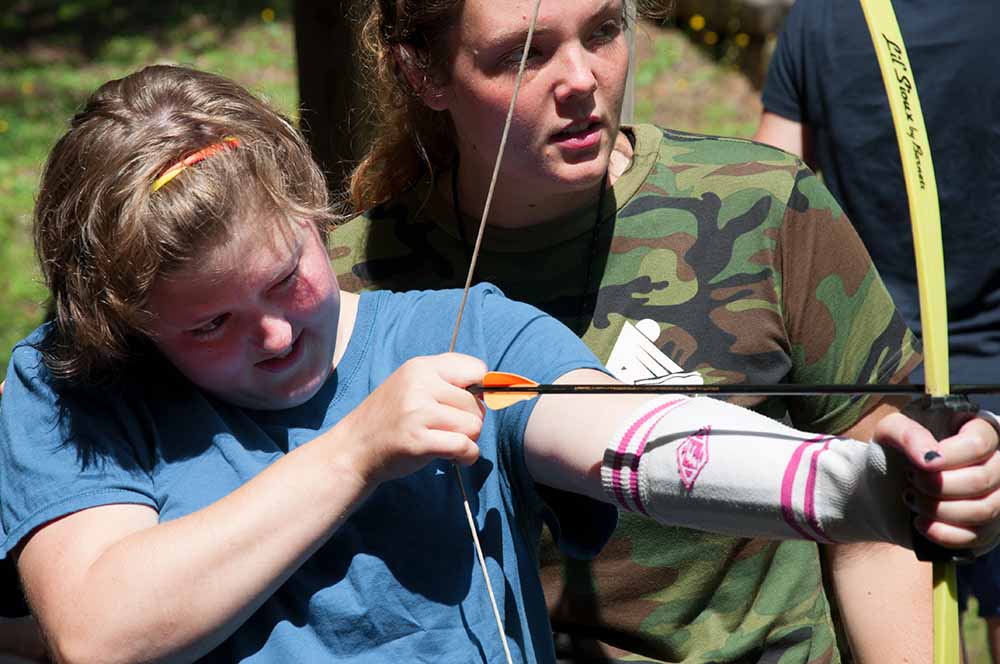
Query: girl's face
[
  {"x": 567, "y": 112},
  {"x": 255, "y": 321}
]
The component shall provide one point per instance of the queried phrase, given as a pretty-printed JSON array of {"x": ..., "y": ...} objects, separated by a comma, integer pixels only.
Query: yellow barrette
[{"x": 192, "y": 159}]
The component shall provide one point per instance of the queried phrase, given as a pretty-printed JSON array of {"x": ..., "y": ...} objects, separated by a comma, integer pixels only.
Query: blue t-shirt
[
  {"x": 824, "y": 74},
  {"x": 399, "y": 580}
]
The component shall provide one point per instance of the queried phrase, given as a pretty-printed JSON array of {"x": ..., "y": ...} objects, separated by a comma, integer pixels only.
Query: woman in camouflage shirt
[{"x": 678, "y": 258}]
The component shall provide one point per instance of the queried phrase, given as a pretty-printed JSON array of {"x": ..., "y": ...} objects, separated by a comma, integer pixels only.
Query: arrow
[{"x": 500, "y": 389}]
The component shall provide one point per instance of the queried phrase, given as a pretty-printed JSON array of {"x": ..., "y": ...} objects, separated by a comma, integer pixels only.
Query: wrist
[{"x": 348, "y": 458}]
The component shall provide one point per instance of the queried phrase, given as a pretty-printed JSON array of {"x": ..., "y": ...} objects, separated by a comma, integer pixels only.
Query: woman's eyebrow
[
  {"x": 516, "y": 36},
  {"x": 512, "y": 37}
]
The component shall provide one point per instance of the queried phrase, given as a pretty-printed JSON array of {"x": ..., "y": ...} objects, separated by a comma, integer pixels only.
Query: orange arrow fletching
[{"x": 501, "y": 400}]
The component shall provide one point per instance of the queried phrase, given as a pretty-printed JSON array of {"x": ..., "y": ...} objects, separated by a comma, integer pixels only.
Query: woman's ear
[{"x": 422, "y": 81}]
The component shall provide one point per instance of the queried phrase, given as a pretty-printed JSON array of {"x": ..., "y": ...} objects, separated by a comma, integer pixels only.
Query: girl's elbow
[{"x": 88, "y": 644}]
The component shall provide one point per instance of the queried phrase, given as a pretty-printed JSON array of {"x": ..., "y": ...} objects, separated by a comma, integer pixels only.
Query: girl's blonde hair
[{"x": 103, "y": 236}]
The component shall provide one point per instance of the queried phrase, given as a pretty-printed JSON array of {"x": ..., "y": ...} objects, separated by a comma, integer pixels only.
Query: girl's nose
[{"x": 274, "y": 333}]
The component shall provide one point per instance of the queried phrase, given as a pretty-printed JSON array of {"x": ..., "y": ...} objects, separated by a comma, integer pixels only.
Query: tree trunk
[{"x": 330, "y": 97}]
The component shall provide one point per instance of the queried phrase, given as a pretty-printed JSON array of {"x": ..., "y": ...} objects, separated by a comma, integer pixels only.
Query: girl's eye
[
  {"x": 287, "y": 281},
  {"x": 290, "y": 279},
  {"x": 211, "y": 327}
]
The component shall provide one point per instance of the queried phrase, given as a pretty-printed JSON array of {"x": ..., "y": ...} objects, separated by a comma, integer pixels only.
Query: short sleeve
[
  {"x": 840, "y": 320},
  {"x": 784, "y": 85},
  {"x": 63, "y": 450},
  {"x": 528, "y": 342}
]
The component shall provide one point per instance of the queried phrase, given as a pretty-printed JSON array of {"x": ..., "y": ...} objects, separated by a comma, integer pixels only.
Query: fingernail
[
  {"x": 909, "y": 498},
  {"x": 910, "y": 476},
  {"x": 930, "y": 456}
]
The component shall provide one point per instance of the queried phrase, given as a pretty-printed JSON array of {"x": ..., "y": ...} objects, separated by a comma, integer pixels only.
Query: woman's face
[
  {"x": 568, "y": 107},
  {"x": 253, "y": 322}
]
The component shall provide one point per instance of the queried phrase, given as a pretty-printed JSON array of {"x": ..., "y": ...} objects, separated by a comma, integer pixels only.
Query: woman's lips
[{"x": 579, "y": 135}]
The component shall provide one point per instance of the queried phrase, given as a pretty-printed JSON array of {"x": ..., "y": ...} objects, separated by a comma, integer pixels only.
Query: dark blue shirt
[{"x": 824, "y": 74}]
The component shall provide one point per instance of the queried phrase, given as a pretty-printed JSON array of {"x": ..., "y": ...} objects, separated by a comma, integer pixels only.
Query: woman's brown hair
[
  {"x": 103, "y": 236},
  {"x": 409, "y": 139}
]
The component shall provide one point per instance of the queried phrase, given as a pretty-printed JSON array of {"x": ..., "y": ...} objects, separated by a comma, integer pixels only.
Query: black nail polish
[
  {"x": 930, "y": 456},
  {"x": 909, "y": 498}
]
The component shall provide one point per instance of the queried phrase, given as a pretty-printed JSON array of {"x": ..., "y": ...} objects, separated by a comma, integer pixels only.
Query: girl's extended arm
[{"x": 706, "y": 464}]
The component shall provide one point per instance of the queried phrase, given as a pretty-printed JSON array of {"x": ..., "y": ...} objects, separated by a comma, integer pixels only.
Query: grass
[
  {"x": 681, "y": 84},
  {"x": 55, "y": 53}
]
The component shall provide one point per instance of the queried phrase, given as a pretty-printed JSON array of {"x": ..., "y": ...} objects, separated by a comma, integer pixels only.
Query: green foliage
[
  {"x": 974, "y": 633},
  {"x": 683, "y": 85},
  {"x": 663, "y": 59}
]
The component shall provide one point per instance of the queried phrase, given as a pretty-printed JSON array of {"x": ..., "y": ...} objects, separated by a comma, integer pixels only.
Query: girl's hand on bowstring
[
  {"x": 954, "y": 484},
  {"x": 420, "y": 413}
]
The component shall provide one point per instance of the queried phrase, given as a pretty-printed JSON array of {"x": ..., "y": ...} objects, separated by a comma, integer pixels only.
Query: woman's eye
[
  {"x": 513, "y": 59},
  {"x": 211, "y": 326},
  {"x": 607, "y": 32}
]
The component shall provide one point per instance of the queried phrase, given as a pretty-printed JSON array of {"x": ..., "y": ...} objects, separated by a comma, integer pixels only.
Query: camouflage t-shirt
[{"x": 710, "y": 260}]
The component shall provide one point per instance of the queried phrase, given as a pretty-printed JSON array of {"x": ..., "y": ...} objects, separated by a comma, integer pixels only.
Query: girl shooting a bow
[{"x": 212, "y": 453}]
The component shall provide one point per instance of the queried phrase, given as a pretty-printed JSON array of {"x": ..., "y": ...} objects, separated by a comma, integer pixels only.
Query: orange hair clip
[{"x": 192, "y": 159}]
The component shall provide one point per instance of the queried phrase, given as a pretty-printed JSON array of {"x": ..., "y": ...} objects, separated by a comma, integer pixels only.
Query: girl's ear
[{"x": 422, "y": 81}]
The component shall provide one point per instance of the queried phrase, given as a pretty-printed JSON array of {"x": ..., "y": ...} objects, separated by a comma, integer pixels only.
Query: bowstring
[
  {"x": 496, "y": 174},
  {"x": 461, "y": 309}
]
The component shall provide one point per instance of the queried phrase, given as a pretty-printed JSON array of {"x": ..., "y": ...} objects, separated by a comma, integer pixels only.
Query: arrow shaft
[{"x": 728, "y": 390}]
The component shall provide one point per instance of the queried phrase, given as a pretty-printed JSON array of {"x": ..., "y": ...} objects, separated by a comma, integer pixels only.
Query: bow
[{"x": 925, "y": 219}]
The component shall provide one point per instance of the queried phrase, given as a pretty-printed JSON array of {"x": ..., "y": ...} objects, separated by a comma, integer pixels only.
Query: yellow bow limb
[{"x": 925, "y": 220}]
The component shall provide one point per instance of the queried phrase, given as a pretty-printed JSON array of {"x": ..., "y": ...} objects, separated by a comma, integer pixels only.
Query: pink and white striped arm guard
[{"x": 709, "y": 465}]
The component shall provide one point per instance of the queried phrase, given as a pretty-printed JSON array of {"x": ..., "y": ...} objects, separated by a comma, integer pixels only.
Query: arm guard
[{"x": 710, "y": 465}]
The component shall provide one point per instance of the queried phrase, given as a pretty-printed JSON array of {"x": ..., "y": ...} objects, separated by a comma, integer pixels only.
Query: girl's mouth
[{"x": 281, "y": 362}]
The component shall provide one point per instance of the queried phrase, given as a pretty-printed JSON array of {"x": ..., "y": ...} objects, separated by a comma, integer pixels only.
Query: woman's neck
[{"x": 516, "y": 207}]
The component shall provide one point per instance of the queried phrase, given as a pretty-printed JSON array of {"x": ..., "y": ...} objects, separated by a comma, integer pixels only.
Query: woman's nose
[{"x": 579, "y": 79}]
